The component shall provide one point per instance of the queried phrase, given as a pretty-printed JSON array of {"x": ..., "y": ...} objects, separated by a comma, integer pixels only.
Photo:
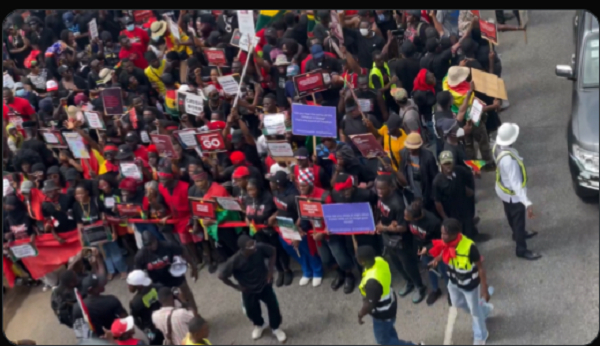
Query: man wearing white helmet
[{"x": 511, "y": 181}]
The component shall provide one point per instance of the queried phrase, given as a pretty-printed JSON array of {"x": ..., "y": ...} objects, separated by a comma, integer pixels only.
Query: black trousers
[
  {"x": 407, "y": 263},
  {"x": 251, "y": 303},
  {"x": 272, "y": 238},
  {"x": 515, "y": 213},
  {"x": 227, "y": 244},
  {"x": 500, "y": 16}
]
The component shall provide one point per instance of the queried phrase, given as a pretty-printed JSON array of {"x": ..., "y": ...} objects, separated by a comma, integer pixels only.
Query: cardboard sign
[
  {"x": 76, "y": 145},
  {"x": 23, "y": 251},
  {"x": 203, "y": 209},
  {"x": 309, "y": 83},
  {"x": 244, "y": 42},
  {"x": 317, "y": 121},
  {"x": 173, "y": 28},
  {"x": 94, "y": 120},
  {"x": 131, "y": 170},
  {"x": 280, "y": 149},
  {"x": 128, "y": 210},
  {"x": 190, "y": 103},
  {"x": 112, "y": 99},
  {"x": 164, "y": 146},
  {"x": 274, "y": 124},
  {"x": 489, "y": 31},
  {"x": 96, "y": 234},
  {"x": 53, "y": 138},
  {"x": 211, "y": 142},
  {"x": 142, "y": 16},
  {"x": 368, "y": 145},
  {"x": 16, "y": 120},
  {"x": 524, "y": 16},
  {"x": 489, "y": 84},
  {"x": 187, "y": 138},
  {"x": 365, "y": 105},
  {"x": 246, "y": 22},
  {"x": 229, "y": 203},
  {"x": 349, "y": 218},
  {"x": 229, "y": 84},
  {"x": 215, "y": 56},
  {"x": 288, "y": 228},
  {"x": 235, "y": 38},
  {"x": 475, "y": 112},
  {"x": 309, "y": 209},
  {"x": 93, "y": 28}
]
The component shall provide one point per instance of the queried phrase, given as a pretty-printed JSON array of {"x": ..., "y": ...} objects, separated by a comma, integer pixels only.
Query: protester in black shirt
[
  {"x": 408, "y": 67},
  {"x": 418, "y": 168},
  {"x": 436, "y": 61},
  {"x": 349, "y": 164},
  {"x": 366, "y": 42},
  {"x": 144, "y": 303},
  {"x": 255, "y": 282},
  {"x": 376, "y": 102}
]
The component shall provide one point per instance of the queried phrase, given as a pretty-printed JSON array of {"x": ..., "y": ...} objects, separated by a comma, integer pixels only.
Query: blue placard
[
  {"x": 349, "y": 218},
  {"x": 317, "y": 121}
]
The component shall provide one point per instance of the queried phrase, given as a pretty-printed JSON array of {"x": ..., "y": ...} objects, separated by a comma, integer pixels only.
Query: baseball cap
[
  {"x": 138, "y": 278},
  {"x": 241, "y": 172},
  {"x": 446, "y": 157},
  {"x": 121, "y": 326},
  {"x": 71, "y": 174},
  {"x": 90, "y": 281},
  {"x": 394, "y": 122},
  {"x": 301, "y": 153},
  {"x": 132, "y": 137},
  {"x": 279, "y": 177},
  {"x": 124, "y": 153},
  {"x": 51, "y": 85},
  {"x": 53, "y": 170},
  {"x": 317, "y": 51}
]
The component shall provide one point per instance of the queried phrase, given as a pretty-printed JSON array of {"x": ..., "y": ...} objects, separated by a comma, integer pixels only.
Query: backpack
[{"x": 62, "y": 309}]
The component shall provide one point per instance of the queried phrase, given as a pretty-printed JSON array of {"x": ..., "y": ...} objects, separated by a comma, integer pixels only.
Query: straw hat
[
  {"x": 105, "y": 75},
  {"x": 72, "y": 112},
  {"x": 413, "y": 141},
  {"x": 457, "y": 75},
  {"x": 158, "y": 29}
]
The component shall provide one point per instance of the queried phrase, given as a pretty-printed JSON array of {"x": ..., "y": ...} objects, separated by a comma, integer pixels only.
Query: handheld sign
[
  {"x": 129, "y": 210},
  {"x": 53, "y": 138},
  {"x": 475, "y": 111},
  {"x": 312, "y": 82},
  {"x": 96, "y": 234},
  {"x": 112, "y": 99},
  {"x": 164, "y": 146},
  {"x": 142, "y": 16},
  {"x": 190, "y": 103},
  {"x": 274, "y": 124},
  {"x": 211, "y": 142},
  {"x": 229, "y": 203},
  {"x": 349, "y": 218},
  {"x": 489, "y": 31},
  {"x": 368, "y": 145},
  {"x": 235, "y": 38},
  {"x": 335, "y": 27},
  {"x": 366, "y": 105},
  {"x": 173, "y": 28},
  {"x": 23, "y": 251},
  {"x": 131, "y": 170},
  {"x": 246, "y": 22},
  {"x": 280, "y": 150},
  {"x": 93, "y": 28},
  {"x": 187, "y": 138},
  {"x": 244, "y": 42},
  {"x": 76, "y": 145},
  {"x": 309, "y": 209},
  {"x": 203, "y": 209},
  {"x": 288, "y": 229},
  {"x": 489, "y": 84},
  {"x": 215, "y": 57},
  {"x": 317, "y": 121},
  {"x": 94, "y": 120},
  {"x": 229, "y": 84}
]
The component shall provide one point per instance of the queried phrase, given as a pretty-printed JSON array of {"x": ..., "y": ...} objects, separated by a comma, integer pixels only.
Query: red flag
[
  {"x": 84, "y": 311},
  {"x": 7, "y": 266}
]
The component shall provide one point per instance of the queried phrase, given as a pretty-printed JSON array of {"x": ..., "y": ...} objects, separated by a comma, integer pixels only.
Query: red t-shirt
[
  {"x": 20, "y": 107},
  {"x": 142, "y": 153},
  {"x": 136, "y": 54},
  {"x": 303, "y": 64},
  {"x": 137, "y": 35}
]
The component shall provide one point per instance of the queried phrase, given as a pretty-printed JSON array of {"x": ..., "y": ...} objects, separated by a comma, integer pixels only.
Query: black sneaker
[
  {"x": 279, "y": 280},
  {"x": 288, "y": 278},
  {"x": 338, "y": 281},
  {"x": 212, "y": 267},
  {"x": 433, "y": 296},
  {"x": 349, "y": 284},
  {"x": 406, "y": 290},
  {"x": 419, "y": 295}
]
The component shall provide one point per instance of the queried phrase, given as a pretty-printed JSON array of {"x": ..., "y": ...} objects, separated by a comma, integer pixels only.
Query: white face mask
[{"x": 364, "y": 32}]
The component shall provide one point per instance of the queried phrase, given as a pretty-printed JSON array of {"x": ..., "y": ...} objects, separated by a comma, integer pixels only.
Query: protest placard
[
  {"x": 16, "y": 120},
  {"x": 94, "y": 120},
  {"x": 141, "y": 16},
  {"x": 280, "y": 150},
  {"x": 131, "y": 170},
  {"x": 187, "y": 138},
  {"x": 173, "y": 28},
  {"x": 112, "y": 99},
  {"x": 203, "y": 209},
  {"x": 190, "y": 103},
  {"x": 309, "y": 83},
  {"x": 365, "y": 105},
  {"x": 235, "y": 38},
  {"x": 5, "y": 186},
  {"x": 246, "y": 22},
  {"x": 164, "y": 146},
  {"x": 144, "y": 137},
  {"x": 229, "y": 84},
  {"x": 244, "y": 42},
  {"x": 489, "y": 31},
  {"x": 215, "y": 56},
  {"x": 96, "y": 234},
  {"x": 523, "y": 21},
  {"x": 489, "y": 84},
  {"x": 368, "y": 145},
  {"x": 229, "y": 203},
  {"x": 211, "y": 142},
  {"x": 309, "y": 209},
  {"x": 23, "y": 251},
  {"x": 349, "y": 218},
  {"x": 93, "y": 28},
  {"x": 288, "y": 228},
  {"x": 54, "y": 138},
  {"x": 76, "y": 145},
  {"x": 129, "y": 210},
  {"x": 274, "y": 124},
  {"x": 317, "y": 121},
  {"x": 475, "y": 111}
]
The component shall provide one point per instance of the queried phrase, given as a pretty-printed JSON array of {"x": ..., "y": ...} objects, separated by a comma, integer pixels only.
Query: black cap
[
  {"x": 132, "y": 137},
  {"x": 124, "y": 153},
  {"x": 91, "y": 281},
  {"x": 128, "y": 20},
  {"x": 53, "y": 170},
  {"x": 280, "y": 177},
  {"x": 62, "y": 69},
  {"x": 71, "y": 174},
  {"x": 394, "y": 122},
  {"x": 301, "y": 153},
  {"x": 50, "y": 185},
  {"x": 38, "y": 167},
  {"x": 237, "y": 136}
]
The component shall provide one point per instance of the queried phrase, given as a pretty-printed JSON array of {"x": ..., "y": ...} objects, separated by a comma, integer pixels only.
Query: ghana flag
[
  {"x": 476, "y": 165},
  {"x": 459, "y": 92},
  {"x": 266, "y": 17},
  {"x": 310, "y": 25}
]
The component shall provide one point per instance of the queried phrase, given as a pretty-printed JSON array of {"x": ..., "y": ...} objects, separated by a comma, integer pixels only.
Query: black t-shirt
[
  {"x": 355, "y": 126},
  {"x": 224, "y": 109},
  {"x": 64, "y": 223},
  {"x": 362, "y": 173},
  {"x": 260, "y": 209},
  {"x": 87, "y": 214},
  {"x": 425, "y": 229},
  {"x": 142, "y": 306},
  {"x": 373, "y": 293},
  {"x": 157, "y": 263},
  {"x": 451, "y": 193},
  {"x": 390, "y": 209},
  {"x": 370, "y": 95},
  {"x": 250, "y": 272},
  {"x": 279, "y": 82},
  {"x": 407, "y": 70},
  {"x": 286, "y": 203},
  {"x": 365, "y": 46},
  {"x": 103, "y": 310},
  {"x": 458, "y": 153},
  {"x": 437, "y": 63}
]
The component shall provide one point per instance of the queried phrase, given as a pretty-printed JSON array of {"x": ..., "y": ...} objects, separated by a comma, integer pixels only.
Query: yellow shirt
[
  {"x": 397, "y": 144},
  {"x": 154, "y": 74},
  {"x": 176, "y": 46},
  {"x": 188, "y": 341}
]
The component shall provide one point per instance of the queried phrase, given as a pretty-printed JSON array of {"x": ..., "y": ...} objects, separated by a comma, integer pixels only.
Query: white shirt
[
  {"x": 179, "y": 322},
  {"x": 511, "y": 177},
  {"x": 261, "y": 145}
]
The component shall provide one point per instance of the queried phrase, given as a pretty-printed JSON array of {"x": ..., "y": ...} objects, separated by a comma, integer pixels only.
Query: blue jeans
[
  {"x": 311, "y": 265},
  {"x": 430, "y": 132},
  {"x": 433, "y": 278},
  {"x": 334, "y": 251},
  {"x": 140, "y": 228},
  {"x": 113, "y": 258},
  {"x": 471, "y": 302},
  {"x": 385, "y": 333}
]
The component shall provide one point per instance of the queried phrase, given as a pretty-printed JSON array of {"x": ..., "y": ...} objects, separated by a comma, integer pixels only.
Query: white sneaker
[
  {"x": 257, "y": 332},
  {"x": 280, "y": 335},
  {"x": 304, "y": 281},
  {"x": 317, "y": 282}
]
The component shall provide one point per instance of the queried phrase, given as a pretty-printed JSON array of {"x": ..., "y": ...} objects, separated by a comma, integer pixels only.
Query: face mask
[
  {"x": 21, "y": 93},
  {"x": 155, "y": 39},
  {"x": 381, "y": 17},
  {"x": 130, "y": 27},
  {"x": 364, "y": 32}
]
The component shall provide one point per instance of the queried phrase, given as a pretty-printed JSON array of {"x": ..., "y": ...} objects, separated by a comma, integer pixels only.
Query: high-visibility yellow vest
[
  {"x": 375, "y": 71},
  {"x": 380, "y": 271},
  {"x": 460, "y": 269},
  {"x": 499, "y": 155}
]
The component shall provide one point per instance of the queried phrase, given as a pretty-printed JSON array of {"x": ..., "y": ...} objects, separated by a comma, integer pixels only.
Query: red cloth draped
[
  {"x": 448, "y": 250},
  {"x": 420, "y": 82}
]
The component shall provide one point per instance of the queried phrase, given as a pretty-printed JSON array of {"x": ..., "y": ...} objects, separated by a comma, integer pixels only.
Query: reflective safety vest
[
  {"x": 380, "y": 271},
  {"x": 376, "y": 71},
  {"x": 498, "y": 155},
  {"x": 461, "y": 271}
]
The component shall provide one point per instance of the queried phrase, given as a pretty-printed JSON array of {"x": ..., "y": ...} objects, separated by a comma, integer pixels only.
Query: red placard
[
  {"x": 310, "y": 209},
  {"x": 216, "y": 57},
  {"x": 203, "y": 209},
  {"x": 129, "y": 210},
  {"x": 141, "y": 16},
  {"x": 54, "y": 138},
  {"x": 368, "y": 145},
  {"x": 489, "y": 31},
  {"x": 211, "y": 142},
  {"x": 164, "y": 146},
  {"x": 309, "y": 83}
]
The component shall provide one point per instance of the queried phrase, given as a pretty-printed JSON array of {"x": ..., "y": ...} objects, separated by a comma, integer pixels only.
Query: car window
[{"x": 590, "y": 70}]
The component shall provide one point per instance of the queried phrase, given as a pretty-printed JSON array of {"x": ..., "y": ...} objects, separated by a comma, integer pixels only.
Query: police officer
[
  {"x": 379, "y": 298},
  {"x": 511, "y": 181}
]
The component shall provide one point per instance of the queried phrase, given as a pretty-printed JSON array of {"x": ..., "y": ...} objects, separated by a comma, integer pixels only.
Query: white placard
[
  {"x": 280, "y": 149},
  {"x": 145, "y": 137},
  {"x": 94, "y": 120},
  {"x": 50, "y": 138},
  {"x": 131, "y": 169},
  {"x": 365, "y": 105},
  {"x": 194, "y": 104},
  {"x": 23, "y": 251},
  {"x": 9, "y": 82},
  {"x": 229, "y": 84},
  {"x": 228, "y": 203},
  {"x": 109, "y": 202},
  {"x": 173, "y": 28},
  {"x": 188, "y": 137},
  {"x": 5, "y": 187},
  {"x": 17, "y": 121},
  {"x": 476, "y": 110},
  {"x": 76, "y": 145},
  {"x": 246, "y": 22},
  {"x": 244, "y": 42},
  {"x": 289, "y": 233},
  {"x": 93, "y": 27},
  {"x": 274, "y": 124}
]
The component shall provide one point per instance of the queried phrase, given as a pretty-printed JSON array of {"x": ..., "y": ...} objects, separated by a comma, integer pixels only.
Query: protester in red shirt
[
  {"x": 132, "y": 139},
  {"x": 309, "y": 56},
  {"x": 133, "y": 51},
  {"x": 135, "y": 34},
  {"x": 16, "y": 110}
]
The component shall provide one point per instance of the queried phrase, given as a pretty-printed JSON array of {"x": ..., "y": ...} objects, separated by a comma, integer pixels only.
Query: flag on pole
[
  {"x": 266, "y": 17},
  {"x": 475, "y": 165},
  {"x": 84, "y": 311}
]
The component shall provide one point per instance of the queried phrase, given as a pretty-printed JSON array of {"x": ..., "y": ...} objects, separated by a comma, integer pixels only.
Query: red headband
[
  {"x": 383, "y": 173},
  {"x": 151, "y": 149},
  {"x": 165, "y": 175},
  {"x": 110, "y": 148},
  {"x": 199, "y": 176},
  {"x": 172, "y": 127},
  {"x": 344, "y": 185}
]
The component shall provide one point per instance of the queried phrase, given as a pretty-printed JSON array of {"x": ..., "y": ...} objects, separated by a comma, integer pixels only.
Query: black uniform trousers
[{"x": 515, "y": 213}]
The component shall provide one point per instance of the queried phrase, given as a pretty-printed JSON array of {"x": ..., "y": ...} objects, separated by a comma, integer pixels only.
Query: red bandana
[
  {"x": 448, "y": 251},
  {"x": 165, "y": 175},
  {"x": 344, "y": 185}
]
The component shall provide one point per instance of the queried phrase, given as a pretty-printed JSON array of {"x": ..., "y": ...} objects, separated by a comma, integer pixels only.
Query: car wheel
[{"x": 586, "y": 195}]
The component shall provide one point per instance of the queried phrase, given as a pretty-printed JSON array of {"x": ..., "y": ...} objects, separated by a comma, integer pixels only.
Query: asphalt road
[{"x": 551, "y": 301}]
